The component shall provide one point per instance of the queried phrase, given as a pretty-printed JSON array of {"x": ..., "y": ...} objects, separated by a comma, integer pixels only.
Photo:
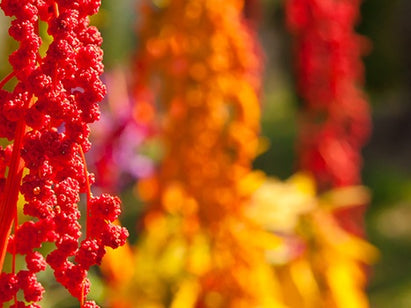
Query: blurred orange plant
[
  {"x": 201, "y": 247},
  {"x": 217, "y": 234}
]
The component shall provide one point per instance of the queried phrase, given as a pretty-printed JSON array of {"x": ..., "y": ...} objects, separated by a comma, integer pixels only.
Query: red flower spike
[
  {"x": 46, "y": 117},
  {"x": 336, "y": 115}
]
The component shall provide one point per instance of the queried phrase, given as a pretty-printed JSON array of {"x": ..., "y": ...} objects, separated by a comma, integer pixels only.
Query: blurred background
[{"x": 387, "y": 163}]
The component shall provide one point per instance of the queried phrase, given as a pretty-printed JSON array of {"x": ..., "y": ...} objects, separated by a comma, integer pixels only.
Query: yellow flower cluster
[
  {"x": 315, "y": 264},
  {"x": 319, "y": 264}
]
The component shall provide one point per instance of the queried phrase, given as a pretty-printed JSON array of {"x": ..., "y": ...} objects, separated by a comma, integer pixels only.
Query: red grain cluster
[{"x": 46, "y": 119}]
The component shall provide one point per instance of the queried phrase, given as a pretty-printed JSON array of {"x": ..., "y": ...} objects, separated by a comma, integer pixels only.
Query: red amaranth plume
[
  {"x": 336, "y": 118},
  {"x": 46, "y": 119},
  {"x": 330, "y": 73}
]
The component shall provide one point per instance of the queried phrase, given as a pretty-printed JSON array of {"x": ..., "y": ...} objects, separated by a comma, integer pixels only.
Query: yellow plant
[{"x": 320, "y": 264}]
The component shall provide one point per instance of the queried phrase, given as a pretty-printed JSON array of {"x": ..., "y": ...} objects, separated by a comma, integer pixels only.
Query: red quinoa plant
[
  {"x": 335, "y": 117},
  {"x": 45, "y": 120}
]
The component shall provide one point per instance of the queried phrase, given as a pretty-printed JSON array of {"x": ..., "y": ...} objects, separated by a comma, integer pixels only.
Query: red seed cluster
[
  {"x": 336, "y": 119},
  {"x": 46, "y": 117}
]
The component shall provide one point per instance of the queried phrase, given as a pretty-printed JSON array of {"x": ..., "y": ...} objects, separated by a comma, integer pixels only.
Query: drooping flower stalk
[
  {"x": 197, "y": 244},
  {"x": 335, "y": 118},
  {"x": 334, "y": 126},
  {"x": 45, "y": 118}
]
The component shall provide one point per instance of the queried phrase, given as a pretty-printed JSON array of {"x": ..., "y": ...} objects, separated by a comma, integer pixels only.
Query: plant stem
[
  {"x": 8, "y": 202},
  {"x": 83, "y": 157}
]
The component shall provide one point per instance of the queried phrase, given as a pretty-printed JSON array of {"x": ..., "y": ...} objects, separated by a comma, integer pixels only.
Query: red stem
[
  {"x": 56, "y": 9},
  {"x": 10, "y": 196},
  {"x": 16, "y": 223},
  {"x": 83, "y": 296},
  {"x": 13, "y": 269},
  {"x": 7, "y": 79},
  {"x": 83, "y": 157}
]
